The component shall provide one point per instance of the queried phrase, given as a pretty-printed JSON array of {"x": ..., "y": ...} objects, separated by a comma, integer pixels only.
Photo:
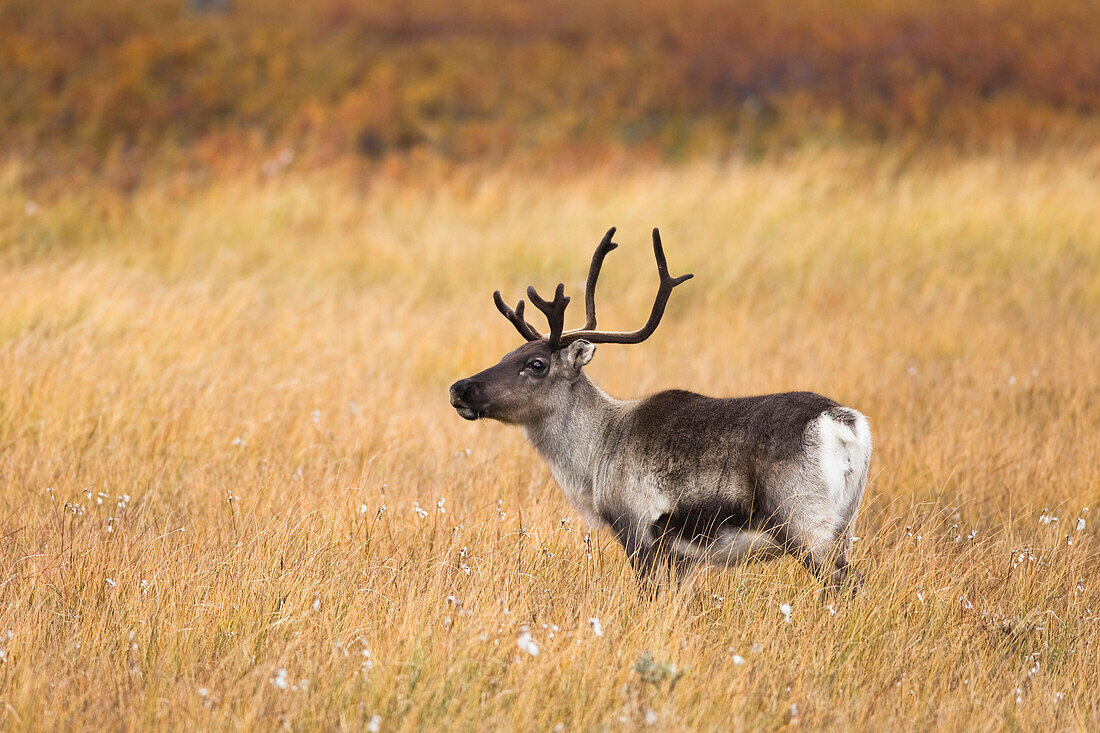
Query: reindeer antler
[
  {"x": 554, "y": 310},
  {"x": 606, "y": 245},
  {"x": 664, "y": 290},
  {"x": 516, "y": 317}
]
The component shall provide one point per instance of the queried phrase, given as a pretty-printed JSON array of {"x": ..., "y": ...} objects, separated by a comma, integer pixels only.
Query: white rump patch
[{"x": 844, "y": 454}]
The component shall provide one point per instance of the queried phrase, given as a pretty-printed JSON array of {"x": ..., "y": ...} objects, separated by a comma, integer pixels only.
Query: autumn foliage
[{"x": 465, "y": 80}]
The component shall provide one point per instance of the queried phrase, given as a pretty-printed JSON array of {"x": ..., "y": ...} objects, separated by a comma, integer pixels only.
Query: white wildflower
[
  {"x": 440, "y": 507},
  {"x": 110, "y": 583},
  {"x": 650, "y": 717},
  {"x": 527, "y": 644},
  {"x": 738, "y": 659},
  {"x": 280, "y": 679},
  {"x": 1080, "y": 523},
  {"x": 420, "y": 512},
  {"x": 374, "y": 724},
  {"x": 362, "y": 508},
  {"x": 597, "y": 627},
  {"x": 785, "y": 609}
]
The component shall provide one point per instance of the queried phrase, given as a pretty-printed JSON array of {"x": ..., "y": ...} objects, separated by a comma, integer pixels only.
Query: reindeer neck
[{"x": 569, "y": 437}]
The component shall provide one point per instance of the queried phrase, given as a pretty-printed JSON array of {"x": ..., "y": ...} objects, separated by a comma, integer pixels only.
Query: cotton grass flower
[
  {"x": 368, "y": 661},
  {"x": 280, "y": 679},
  {"x": 785, "y": 609},
  {"x": 527, "y": 644},
  {"x": 597, "y": 627}
]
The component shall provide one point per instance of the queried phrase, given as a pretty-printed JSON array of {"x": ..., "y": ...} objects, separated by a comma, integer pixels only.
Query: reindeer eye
[{"x": 536, "y": 366}]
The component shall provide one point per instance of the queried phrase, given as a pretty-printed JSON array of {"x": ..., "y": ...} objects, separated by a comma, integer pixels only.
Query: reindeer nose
[{"x": 462, "y": 392}]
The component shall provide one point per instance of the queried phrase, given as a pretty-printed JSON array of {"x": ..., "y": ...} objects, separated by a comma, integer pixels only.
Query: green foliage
[{"x": 654, "y": 672}]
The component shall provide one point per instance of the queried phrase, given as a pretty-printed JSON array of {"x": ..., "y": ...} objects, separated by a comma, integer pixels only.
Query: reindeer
[{"x": 680, "y": 478}]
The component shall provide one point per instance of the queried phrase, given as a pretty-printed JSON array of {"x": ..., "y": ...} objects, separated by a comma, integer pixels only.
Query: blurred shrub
[{"x": 473, "y": 78}]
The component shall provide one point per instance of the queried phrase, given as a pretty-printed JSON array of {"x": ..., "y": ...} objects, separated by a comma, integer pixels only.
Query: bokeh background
[{"x": 245, "y": 246}]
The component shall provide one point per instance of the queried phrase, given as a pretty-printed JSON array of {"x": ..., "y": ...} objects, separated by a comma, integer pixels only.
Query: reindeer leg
[
  {"x": 641, "y": 552},
  {"x": 818, "y": 558}
]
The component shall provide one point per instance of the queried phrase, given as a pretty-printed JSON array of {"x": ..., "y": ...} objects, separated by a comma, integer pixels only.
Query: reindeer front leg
[
  {"x": 655, "y": 564},
  {"x": 633, "y": 536}
]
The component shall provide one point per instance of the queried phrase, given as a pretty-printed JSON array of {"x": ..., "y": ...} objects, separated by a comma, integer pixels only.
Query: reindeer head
[{"x": 533, "y": 380}]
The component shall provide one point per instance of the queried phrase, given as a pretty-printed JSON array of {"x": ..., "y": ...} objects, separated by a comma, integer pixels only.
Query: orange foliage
[{"x": 89, "y": 79}]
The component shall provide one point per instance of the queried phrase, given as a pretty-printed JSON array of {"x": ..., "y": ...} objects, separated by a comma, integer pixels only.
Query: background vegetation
[
  {"x": 242, "y": 257},
  {"x": 104, "y": 84}
]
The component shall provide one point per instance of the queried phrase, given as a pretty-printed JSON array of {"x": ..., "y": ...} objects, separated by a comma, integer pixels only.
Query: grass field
[{"x": 234, "y": 495}]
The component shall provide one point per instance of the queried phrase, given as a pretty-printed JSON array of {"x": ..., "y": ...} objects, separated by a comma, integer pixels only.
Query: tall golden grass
[{"x": 221, "y": 409}]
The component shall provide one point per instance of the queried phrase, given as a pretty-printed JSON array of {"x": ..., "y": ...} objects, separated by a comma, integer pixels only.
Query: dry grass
[{"x": 261, "y": 367}]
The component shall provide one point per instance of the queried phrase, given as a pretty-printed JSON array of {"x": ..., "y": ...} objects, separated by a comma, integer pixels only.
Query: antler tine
[
  {"x": 554, "y": 310},
  {"x": 664, "y": 290},
  {"x": 606, "y": 245},
  {"x": 516, "y": 317}
]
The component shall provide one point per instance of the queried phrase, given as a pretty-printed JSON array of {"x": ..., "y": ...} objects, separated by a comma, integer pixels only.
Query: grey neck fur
[{"x": 570, "y": 435}]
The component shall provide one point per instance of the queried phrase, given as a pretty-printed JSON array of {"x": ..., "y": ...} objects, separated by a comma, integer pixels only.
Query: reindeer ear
[{"x": 578, "y": 353}]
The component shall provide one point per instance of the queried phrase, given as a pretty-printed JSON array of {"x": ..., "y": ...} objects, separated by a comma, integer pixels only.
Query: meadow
[{"x": 234, "y": 495}]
